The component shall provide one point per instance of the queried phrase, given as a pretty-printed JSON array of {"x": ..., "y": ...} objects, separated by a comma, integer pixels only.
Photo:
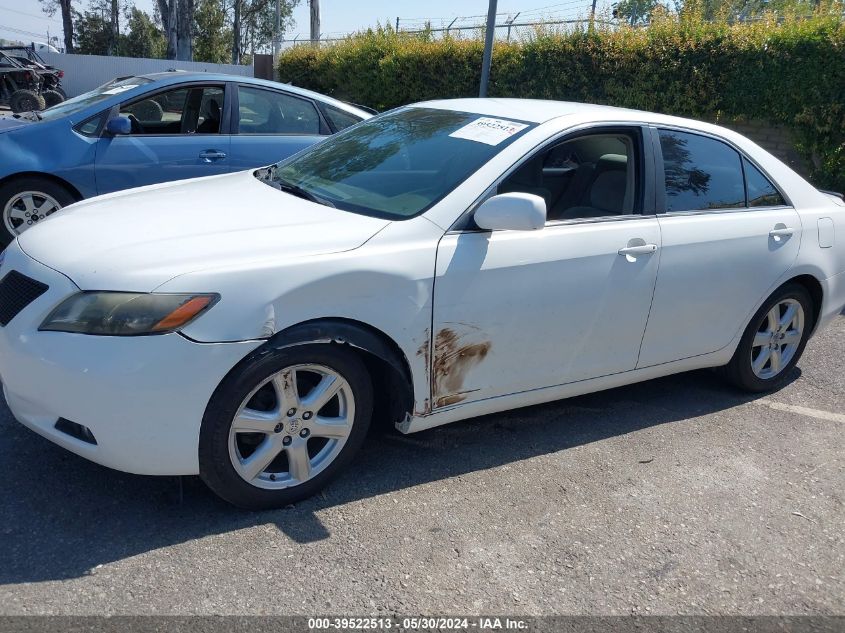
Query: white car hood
[{"x": 137, "y": 240}]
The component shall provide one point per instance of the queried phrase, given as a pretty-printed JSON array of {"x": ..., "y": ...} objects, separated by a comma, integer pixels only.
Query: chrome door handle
[
  {"x": 210, "y": 155},
  {"x": 784, "y": 232},
  {"x": 644, "y": 249}
]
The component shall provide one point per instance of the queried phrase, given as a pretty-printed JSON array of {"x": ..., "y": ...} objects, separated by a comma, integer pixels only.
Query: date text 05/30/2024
[{"x": 482, "y": 623}]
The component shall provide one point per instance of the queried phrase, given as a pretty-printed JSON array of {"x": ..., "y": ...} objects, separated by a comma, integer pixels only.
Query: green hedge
[{"x": 790, "y": 71}]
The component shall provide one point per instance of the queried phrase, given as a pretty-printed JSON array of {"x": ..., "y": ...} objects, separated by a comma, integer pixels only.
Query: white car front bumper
[{"x": 142, "y": 398}]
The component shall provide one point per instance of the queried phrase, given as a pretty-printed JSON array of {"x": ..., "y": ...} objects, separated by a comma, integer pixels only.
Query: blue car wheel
[{"x": 24, "y": 202}]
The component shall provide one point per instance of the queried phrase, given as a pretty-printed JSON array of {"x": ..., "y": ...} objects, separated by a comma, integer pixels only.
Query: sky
[{"x": 23, "y": 19}]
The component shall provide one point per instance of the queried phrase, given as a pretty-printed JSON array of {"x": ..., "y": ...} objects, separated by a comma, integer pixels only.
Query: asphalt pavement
[{"x": 678, "y": 495}]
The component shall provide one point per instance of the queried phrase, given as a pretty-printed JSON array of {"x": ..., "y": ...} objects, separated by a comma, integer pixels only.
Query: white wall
[{"x": 86, "y": 72}]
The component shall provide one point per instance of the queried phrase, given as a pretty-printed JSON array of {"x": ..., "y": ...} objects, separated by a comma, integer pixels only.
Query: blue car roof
[{"x": 178, "y": 76}]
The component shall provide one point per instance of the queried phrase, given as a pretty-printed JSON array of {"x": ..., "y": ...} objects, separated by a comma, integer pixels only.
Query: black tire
[
  {"x": 52, "y": 97},
  {"x": 26, "y": 101},
  {"x": 739, "y": 371},
  {"x": 216, "y": 467},
  {"x": 15, "y": 186}
]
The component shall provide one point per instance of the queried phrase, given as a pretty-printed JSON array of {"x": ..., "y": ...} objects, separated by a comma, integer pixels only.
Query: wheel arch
[
  {"x": 45, "y": 176},
  {"x": 385, "y": 360},
  {"x": 814, "y": 287}
]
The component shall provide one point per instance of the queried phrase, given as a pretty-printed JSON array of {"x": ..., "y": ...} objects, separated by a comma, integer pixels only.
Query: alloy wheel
[
  {"x": 291, "y": 427},
  {"x": 25, "y": 209},
  {"x": 777, "y": 339}
]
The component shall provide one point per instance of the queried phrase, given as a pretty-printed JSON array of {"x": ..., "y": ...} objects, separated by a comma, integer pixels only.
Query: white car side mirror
[{"x": 512, "y": 211}]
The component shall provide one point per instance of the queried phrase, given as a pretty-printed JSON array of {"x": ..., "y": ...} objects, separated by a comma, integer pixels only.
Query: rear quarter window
[{"x": 340, "y": 119}]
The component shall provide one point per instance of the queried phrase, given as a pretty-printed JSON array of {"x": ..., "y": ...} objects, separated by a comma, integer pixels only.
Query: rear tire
[
  {"x": 52, "y": 97},
  {"x": 773, "y": 342},
  {"x": 264, "y": 444},
  {"x": 26, "y": 100},
  {"x": 12, "y": 221}
]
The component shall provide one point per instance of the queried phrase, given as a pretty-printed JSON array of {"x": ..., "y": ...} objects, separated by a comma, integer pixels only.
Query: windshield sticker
[
  {"x": 118, "y": 89},
  {"x": 488, "y": 130}
]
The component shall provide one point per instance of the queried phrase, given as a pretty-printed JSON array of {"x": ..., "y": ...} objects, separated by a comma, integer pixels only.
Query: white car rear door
[{"x": 722, "y": 248}]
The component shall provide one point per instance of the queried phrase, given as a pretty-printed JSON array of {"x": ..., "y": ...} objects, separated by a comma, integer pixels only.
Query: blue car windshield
[
  {"x": 396, "y": 165},
  {"x": 102, "y": 93}
]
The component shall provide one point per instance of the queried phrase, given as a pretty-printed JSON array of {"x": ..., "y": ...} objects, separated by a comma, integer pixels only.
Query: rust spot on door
[{"x": 454, "y": 357}]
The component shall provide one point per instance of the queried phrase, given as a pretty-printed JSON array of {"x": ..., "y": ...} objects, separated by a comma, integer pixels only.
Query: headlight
[{"x": 126, "y": 313}]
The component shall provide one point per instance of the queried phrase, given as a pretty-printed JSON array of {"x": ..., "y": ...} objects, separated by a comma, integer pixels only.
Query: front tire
[
  {"x": 26, "y": 100},
  {"x": 26, "y": 201},
  {"x": 773, "y": 342},
  {"x": 283, "y": 423}
]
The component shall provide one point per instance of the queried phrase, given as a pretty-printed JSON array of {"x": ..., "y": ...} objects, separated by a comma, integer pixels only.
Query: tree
[
  {"x": 254, "y": 23},
  {"x": 167, "y": 13},
  {"x": 213, "y": 38},
  {"x": 109, "y": 11},
  {"x": 50, "y": 7},
  {"x": 741, "y": 9},
  {"x": 634, "y": 11},
  {"x": 93, "y": 33},
  {"x": 185, "y": 30},
  {"x": 144, "y": 38}
]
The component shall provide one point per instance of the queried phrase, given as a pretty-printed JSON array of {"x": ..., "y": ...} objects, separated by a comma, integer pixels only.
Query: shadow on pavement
[{"x": 64, "y": 516}]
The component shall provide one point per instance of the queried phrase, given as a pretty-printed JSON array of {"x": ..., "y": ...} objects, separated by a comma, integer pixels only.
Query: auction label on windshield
[{"x": 488, "y": 130}]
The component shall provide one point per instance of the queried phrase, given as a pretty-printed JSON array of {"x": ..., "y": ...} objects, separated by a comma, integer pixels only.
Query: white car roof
[{"x": 541, "y": 111}]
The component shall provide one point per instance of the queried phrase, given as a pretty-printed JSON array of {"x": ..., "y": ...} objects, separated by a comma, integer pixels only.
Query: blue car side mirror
[{"x": 119, "y": 125}]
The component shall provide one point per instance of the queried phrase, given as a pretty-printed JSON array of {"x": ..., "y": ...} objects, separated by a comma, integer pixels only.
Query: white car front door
[
  {"x": 723, "y": 247},
  {"x": 521, "y": 310}
]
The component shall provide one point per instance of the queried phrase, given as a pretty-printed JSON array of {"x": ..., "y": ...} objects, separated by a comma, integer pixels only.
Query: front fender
[{"x": 71, "y": 157}]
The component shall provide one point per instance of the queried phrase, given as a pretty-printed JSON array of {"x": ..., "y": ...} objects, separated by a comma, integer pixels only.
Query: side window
[
  {"x": 701, "y": 173},
  {"x": 340, "y": 119},
  {"x": 271, "y": 112},
  {"x": 186, "y": 110},
  {"x": 761, "y": 192},
  {"x": 590, "y": 176}
]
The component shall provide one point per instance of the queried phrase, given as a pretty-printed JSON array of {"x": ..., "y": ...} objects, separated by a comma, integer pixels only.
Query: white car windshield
[{"x": 396, "y": 165}]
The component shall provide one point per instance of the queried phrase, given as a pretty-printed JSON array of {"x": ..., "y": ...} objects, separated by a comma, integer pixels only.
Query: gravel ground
[{"x": 674, "y": 496}]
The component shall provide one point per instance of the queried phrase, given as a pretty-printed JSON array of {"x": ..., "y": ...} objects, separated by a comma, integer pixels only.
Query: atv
[
  {"x": 20, "y": 87},
  {"x": 26, "y": 56}
]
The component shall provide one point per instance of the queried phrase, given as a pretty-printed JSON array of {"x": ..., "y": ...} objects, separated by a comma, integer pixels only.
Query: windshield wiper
[{"x": 296, "y": 190}]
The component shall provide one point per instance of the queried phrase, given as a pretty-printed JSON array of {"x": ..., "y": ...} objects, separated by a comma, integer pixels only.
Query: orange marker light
[{"x": 184, "y": 313}]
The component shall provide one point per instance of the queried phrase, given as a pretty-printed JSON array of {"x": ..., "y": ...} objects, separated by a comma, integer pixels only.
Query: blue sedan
[{"x": 154, "y": 128}]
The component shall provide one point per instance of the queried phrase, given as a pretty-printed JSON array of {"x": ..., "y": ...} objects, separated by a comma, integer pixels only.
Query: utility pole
[
  {"x": 592, "y": 13},
  {"x": 397, "y": 23},
  {"x": 488, "y": 48},
  {"x": 315, "y": 22}
]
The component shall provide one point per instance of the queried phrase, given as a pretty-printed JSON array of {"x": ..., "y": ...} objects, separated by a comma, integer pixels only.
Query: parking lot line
[{"x": 791, "y": 408}]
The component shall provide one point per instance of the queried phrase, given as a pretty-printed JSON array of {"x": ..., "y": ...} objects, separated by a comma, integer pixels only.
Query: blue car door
[
  {"x": 182, "y": 132},
  {"x": 271, "y": 125}
]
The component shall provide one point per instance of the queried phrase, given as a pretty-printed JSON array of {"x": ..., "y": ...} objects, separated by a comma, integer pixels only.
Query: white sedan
[{"x": 442, "y": 261}]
